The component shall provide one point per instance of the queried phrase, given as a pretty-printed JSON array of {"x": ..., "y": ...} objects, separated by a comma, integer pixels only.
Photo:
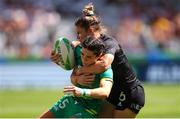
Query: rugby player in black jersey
[{"x": 127, "y": 95}]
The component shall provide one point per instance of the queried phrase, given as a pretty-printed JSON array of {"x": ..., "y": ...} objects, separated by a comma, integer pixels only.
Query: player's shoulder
[
  {"x": 108, "y": 39},
  {"x": 107, "y": 73}
]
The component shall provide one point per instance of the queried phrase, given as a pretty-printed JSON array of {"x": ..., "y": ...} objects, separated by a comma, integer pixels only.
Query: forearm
[
  {"x": 99, "y": 93},
  {"x": 100, "y": 66},
  {"x": 96, "y": 68}
]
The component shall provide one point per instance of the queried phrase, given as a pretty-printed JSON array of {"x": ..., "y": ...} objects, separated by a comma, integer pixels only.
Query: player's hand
[
  {"x": 54, "y": 57},
  {"x": 83, "y": 70},
  {"x": 73, "y": 90},
  {"x": 85, "y": 79},
  {"x": 80, "y": 71},
  {"x": 75, "y": 43}
]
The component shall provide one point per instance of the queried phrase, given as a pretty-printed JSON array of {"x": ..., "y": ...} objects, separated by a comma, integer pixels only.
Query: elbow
[
  {"x": 104, "y": 95},
  {"x": 105, "y": 90}
]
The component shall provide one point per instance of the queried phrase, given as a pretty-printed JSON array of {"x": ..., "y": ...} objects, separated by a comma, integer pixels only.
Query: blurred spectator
[
  {"x": 129, "y": 35},
  {"x": 162, "y": 30},
  {"x": 177, "y": 24},
  {"x": 28, "y": 28}
]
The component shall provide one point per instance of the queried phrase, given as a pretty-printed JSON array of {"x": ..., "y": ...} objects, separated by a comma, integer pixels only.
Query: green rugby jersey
[
  {"x": 89, "y": 102},
  {"x": 81, "y": 107},
  {"x": 106, "y": 74}
]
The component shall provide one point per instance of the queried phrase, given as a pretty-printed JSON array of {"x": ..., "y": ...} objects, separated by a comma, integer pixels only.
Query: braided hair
[{"x": 89, "y": 19}]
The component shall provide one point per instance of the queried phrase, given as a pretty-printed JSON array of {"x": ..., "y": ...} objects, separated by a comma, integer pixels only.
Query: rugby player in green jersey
[{"x": 84, "y": 101}]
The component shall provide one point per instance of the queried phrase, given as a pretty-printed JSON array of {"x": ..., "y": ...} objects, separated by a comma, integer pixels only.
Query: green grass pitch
[{"x": 161, "y": 101}]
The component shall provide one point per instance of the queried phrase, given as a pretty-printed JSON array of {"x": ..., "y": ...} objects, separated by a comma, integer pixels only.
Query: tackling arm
[
  {"x": 100, "y": 66},
  {"x": 83, "y": 79}
]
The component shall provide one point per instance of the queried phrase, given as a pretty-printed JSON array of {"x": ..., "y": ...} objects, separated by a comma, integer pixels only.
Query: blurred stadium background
[{"x": 148, "y": 30}]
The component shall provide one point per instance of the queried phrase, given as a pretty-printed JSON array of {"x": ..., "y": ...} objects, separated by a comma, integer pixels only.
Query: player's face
[
  {"x": 81, "y": 33},
  {"x": 88, "y": 58}
]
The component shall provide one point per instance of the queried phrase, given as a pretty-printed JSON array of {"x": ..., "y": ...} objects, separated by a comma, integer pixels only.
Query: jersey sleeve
[
  {"x": 107, "y": 74},
  {"x": 111, "y": 46}
]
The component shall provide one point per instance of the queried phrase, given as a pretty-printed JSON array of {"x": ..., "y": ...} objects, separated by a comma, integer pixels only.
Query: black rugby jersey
[{"x": 122, "y": 70}]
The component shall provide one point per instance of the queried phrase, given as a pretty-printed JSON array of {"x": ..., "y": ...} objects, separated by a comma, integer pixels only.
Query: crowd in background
[{"x": 150, "y": 28}]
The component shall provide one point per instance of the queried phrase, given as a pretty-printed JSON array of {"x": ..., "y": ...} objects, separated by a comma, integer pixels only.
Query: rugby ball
[{"x": 64, "y": 48}]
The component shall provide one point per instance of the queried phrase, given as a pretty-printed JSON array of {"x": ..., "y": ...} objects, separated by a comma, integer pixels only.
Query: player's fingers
[
  {"x": 68, "y": 90},
  {"x": 55, "y": 56},
  {"x": 89, "y": 76},
  {"x": 87, "y": 83},
  {"x": 78, "y": 72},
  {"x": 89, "y": 79},
  {"x": 69, "y": 87},
  {"x": 55, "y": 59}
]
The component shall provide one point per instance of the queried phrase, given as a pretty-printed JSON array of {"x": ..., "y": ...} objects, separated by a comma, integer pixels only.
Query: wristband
[{"x": 85, "y": 92}]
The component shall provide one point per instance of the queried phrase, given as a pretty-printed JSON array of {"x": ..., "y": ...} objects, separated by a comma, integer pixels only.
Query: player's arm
[
  {"x": 101, "y": 65},
  {"x": 104, "y": 62},
  {"x": 55, "y": 56},
  {"x": 103, "y": 91},
  {"x": 105, "y": 86},
  {"x": 83, "y": 79},
  {"x": 99, "y": 93}
]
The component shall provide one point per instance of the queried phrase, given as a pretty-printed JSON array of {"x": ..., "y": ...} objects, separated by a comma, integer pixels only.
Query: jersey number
[
  {"x": 122, "y": 96},
  {"x": 63, "y": 104}
]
